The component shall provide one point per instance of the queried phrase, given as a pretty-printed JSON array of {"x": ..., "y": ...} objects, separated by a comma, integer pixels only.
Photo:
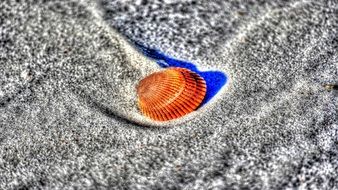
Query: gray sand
[{"x": 68, "y": 117}]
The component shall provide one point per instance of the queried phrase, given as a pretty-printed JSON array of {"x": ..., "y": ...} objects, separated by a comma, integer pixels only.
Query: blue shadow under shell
[{"x": 215, "y": 80}]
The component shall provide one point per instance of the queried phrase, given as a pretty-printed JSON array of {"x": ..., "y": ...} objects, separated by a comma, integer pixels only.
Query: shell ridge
[{"x": 170, "y": 94}]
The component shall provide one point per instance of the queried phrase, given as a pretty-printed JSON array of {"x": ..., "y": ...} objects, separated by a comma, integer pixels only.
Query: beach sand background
[{"x": 68, "y": 117}]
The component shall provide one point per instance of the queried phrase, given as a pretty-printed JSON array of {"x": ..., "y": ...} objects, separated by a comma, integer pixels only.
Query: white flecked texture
[{"x": 67, "y": 86}]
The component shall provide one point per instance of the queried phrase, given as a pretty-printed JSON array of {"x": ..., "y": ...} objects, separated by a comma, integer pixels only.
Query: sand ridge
[{"x": 274, "y": 128}]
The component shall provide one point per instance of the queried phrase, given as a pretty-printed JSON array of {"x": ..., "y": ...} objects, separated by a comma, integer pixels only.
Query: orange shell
[{"x": 170, "y": 94}]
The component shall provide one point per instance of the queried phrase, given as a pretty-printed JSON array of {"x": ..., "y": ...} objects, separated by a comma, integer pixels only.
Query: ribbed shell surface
[{"x": 170, "y": 94}]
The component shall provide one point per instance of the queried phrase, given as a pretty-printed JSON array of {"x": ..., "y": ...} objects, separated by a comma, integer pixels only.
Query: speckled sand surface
[{"x": 67, "y": 96}]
